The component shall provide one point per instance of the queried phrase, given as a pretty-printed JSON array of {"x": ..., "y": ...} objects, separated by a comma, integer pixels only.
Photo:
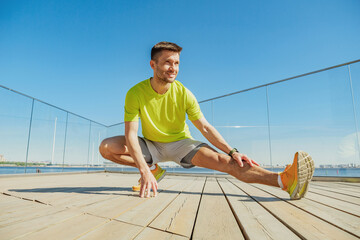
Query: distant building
[{"x": 2, "y": 159}]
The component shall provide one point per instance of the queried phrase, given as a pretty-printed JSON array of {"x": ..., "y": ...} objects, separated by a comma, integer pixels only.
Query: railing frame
[{"x": 203, "y": 101}]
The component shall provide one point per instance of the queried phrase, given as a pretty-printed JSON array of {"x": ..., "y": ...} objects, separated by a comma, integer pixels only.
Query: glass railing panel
[
  {"x": 355, "y": 80},
  {"x": 98, "y": 133},
  {"x": 119, "y": 130},
  {"x": 15, "y": 112},
  {"x": 115, "y": 130},
  {"x": 314, "y": 114},
  {"x": 242, "y": 120},
  {"x": 77, "y": 142},
  {"x": 47, "y": 138}
]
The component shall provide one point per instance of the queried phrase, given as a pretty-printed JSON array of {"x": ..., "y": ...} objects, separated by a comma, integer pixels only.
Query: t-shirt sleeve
[
  {"x": 192, "y": 107},
  {"x": 131, "y": 107}
]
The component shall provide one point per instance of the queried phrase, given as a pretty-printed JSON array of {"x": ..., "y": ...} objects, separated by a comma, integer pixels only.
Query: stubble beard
[{"x": 164, "y": 79}]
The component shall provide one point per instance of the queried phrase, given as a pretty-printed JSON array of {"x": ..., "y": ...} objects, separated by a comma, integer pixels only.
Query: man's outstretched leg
[
  {"x": 115, "y": 150},
  {"x": 294, "y": 179}
]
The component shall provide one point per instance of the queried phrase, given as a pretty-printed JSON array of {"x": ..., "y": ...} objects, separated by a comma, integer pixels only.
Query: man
[{"x": 162, "y": 103}]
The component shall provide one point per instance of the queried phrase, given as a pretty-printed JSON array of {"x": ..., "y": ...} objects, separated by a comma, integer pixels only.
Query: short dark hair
[{"x": 157, "y": 48}]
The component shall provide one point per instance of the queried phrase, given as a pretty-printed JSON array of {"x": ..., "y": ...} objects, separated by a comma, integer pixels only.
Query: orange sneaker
[
  {"x": 296, "y": 177},
  {"x": 158, "y": 173}
]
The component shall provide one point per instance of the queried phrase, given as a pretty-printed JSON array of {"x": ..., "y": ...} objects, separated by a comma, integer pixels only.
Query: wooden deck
[{"x": 102, "y": 206}]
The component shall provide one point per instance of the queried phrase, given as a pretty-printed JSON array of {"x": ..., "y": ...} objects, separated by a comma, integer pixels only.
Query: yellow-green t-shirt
[{"x": 162, "y": 116}]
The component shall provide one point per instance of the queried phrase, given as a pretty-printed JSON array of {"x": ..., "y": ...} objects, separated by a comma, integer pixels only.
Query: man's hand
[
  {"x": 239, "y": 157},
  {"x": 148, "y": 182}
]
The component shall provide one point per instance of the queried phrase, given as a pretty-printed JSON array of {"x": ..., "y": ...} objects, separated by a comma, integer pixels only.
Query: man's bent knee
[
  {"x": 104, "y": 149},
  {"x": 113, "y": 145}
]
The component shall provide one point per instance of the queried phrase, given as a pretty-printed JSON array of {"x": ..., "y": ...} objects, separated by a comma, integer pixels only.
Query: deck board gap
[
  {"x": 335, "y": 208},
  {"x": 333, "y": 197},
  {"x": 277, "y": 217},
  {"x": 289, "y": 202},
  {"x": 329, "y": 190},
  {"x": 164, "y": 208},
  {"x": 244, "y": 233},
  {"x": 134, "y": 224},
  {"x": 197, "y": 211},
  {"x": 166, "y": 231}
]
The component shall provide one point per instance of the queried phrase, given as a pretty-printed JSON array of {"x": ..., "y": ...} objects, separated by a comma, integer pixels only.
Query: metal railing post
[
  {"x": 212, "y": 120},
  {"x": 268, "y": 119},
  {"x": 28, "y": 142},
  {"x": 66, "y": 125},
  {"x": 87, "y": 164}
]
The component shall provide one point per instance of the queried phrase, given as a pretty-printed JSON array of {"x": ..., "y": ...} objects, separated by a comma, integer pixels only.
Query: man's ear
[{"x": 152, "y": 64}]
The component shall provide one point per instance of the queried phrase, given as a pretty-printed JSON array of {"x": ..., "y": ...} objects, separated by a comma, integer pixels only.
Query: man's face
[{"x": 166, "y": 66}]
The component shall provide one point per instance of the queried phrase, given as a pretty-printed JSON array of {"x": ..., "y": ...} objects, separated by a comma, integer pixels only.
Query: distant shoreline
[
  {"x": 46, "y": 165},
  {"x": 22, "y": 164}
]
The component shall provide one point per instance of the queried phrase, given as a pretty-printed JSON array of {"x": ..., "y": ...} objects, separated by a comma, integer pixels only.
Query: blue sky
[{"x": 84, "y": 55}]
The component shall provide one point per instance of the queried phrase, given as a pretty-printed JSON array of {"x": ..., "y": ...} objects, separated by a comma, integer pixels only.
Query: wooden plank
[
  {"x": 10, "y": 203},
  {"x": 40, "y": 191},
  {"x": 124, "y": 187},
  {"x": 300, "y": 222},
  {"x": 144, "y": 213},
  {"x": 27, "y": 182},
  {"x": 82, "y": 197},
  {"x": 215, "y": 219},
  {"x": 336, "y": 188},
  {"x": 149, "y": 233},
  {"x": 356, "y": 186},
  {"x": 335, "y": 203},
  {"x": 114, "y": 207},
  {"x": 51, "y": 192},
  {"x": 113, "y": 230},
  {"x": 338, "y": 218},
  {"x": 179, "y": 216},
  {"x": 19, "y": 206},
  {"x": 69, "y": 229},
  {"x": 22, "y": 228},
  {"x": 32, "y": 211},
  {"x": 335, "y": 195},
  {"x": 256, "y": 221},
  {"x": 109, "y": 186},
  {"x": 77, "y": 191}
]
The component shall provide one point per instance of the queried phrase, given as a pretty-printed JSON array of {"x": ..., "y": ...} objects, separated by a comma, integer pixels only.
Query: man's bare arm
[
  {"x": 148, "y": 180},
  {"x": 212, "y": 135},
  {"x": 215, "y": 138}
]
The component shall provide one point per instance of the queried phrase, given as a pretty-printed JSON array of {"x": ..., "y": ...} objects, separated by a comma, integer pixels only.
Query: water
[
  {"x": 21, "y": 170},
  {"x": 331, "y": 172}
]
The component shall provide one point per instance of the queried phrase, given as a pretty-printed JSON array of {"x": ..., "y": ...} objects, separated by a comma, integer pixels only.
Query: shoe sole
[
  {"x": 311, "y": 167},
  {"x": 305, "y": 171}
]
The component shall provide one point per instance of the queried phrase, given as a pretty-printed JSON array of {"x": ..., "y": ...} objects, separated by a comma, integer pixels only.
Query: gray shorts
[{"x": 180, "y": 152}]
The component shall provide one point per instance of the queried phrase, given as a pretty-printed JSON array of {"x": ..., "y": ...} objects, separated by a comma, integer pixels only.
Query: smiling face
[{"x": 166, "y": 66}]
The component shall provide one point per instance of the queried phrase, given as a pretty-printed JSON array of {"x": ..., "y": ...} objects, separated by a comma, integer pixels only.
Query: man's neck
[{"x": 159, "y": 86}]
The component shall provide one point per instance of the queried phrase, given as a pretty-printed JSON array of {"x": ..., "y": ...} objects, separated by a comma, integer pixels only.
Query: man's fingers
[
  {"x": 254, "y": 162},
  {"x": 247, "y": 159},
  {"x": 240, "y": 163},
  {"x": 148, "y": 188},
  {"x": 154, "y": 188},
  {"x": 142, "y": 190}
]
